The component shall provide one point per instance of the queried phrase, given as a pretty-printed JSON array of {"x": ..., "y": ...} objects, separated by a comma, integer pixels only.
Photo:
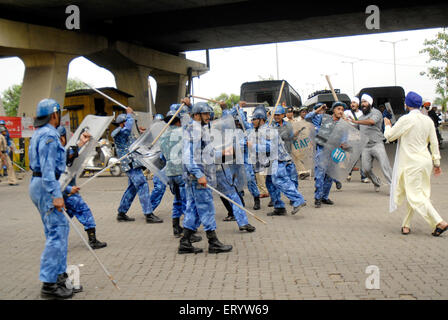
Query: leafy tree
[
  {"x": 437, "y": 49},
  {"x": 11, "y": 96},
  {"x": 230, "y": 100},
  {"x": 75, "y": 84}
]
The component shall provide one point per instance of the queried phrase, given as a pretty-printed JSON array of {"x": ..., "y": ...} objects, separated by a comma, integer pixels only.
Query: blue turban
[{"x": 413, "y": 100}]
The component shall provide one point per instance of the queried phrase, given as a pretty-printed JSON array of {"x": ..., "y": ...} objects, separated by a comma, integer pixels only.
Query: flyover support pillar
[
  {"x": 170, "y": 89},
  {"x": 45, "y": 77}
]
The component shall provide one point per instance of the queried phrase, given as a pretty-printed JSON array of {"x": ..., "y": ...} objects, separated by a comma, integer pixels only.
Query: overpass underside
[{"x": 142, "y": 38}]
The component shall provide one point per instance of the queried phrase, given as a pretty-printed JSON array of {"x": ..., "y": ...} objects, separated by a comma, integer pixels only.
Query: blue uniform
[
  {"x": 280, "y": 179},
  {"x": 227, "y": 185},
  {"x": 47, "y": 157},
  {"x": 158, "y": 192},
  {"x": 322, "y": 181},
  {"x": 76, "y": 206},
  {"x": 250, "y": 174},
  {"x": 137, "y": 183},
  {"x": 200, "y": 208},
  {"x": 171, "y": 147}
]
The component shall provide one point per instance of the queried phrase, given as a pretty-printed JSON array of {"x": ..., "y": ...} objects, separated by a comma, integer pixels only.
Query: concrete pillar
[
  {"x": 45, "y": 77},
  {"x": 134, "y": 80},
  {"x": 170, "y": 89}
]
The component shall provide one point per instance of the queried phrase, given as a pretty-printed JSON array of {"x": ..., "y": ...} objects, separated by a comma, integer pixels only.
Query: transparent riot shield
[
  {"x": 303, "y": 146},
  {"x": 96, "y": 126},
  {"x": 263, "y": 149},
  {"x": 222, "y": 132},
  {"x": 150, "y": 159},
  {"x": 149, "y": 136},
  {"x": 341, "y": 151},
  {"x": 142, "y": 119}
]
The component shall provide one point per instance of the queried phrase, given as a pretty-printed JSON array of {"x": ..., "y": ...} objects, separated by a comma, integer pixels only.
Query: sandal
[
  {"x": 439, "y": 231},
  {"x": 405, "y": 233}
]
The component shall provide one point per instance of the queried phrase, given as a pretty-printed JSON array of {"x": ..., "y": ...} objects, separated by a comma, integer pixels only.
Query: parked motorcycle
[{"x": 103, "y": 157}]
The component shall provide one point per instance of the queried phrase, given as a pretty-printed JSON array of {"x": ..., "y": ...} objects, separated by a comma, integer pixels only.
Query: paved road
[{"x": 317, "y": 254}]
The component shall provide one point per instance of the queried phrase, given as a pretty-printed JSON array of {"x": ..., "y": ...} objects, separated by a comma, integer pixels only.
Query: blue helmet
[
  {"x": 170, "y": 114},
  {"x": 120, "y": 118},
  {"x": 259, "y": 113},
  {"x": 2, "y": 123},
  {"x": 201, "y": 107},
  {"x": 174, "y": 107},
  {"x": 338, "y": 104},
  {"x": 62, "y": 131},
  {"x": 44, "y": 110},
  {"x": 279, "y": 110},
  {"x": 159, "y": 116}
]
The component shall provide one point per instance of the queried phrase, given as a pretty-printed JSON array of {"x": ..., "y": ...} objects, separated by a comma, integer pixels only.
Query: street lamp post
[
  {"x": 395, "y": 65},
  {"x": 353, "y": 75}
]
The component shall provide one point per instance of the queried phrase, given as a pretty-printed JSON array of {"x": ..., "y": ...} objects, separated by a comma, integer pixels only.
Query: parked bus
[
  {"x": 325, "y": 96},
  {"x": 382, "y": 95},
  {"x": 267, "y": 92}
]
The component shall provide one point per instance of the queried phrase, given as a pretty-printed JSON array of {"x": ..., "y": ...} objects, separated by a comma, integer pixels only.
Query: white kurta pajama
[{"x": 414, "y": 165}]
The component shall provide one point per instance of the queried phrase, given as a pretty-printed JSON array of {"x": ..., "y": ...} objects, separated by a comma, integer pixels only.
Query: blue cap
[
  {"x": 2, "y": 122},
  {"x": 159, "y": 116},
  {"x": 44, "y": 109},
  {"x": 279, "y": 110},
  {"x": 62, "y": 131},
  {"x": 413, "y": 100}
]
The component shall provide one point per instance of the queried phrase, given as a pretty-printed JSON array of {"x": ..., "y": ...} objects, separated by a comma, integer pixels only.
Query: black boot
[
  {"x": 270, "y": 204},
  {"x": 327, "y": 201},
  {"x": 278, "y": 212},
  {"x": 152, "y": 218},
  {"x": 64, "y": 281},
  {"x": 55, "y": 291},
  {"x": 214, "y": 245},
  {"x": 248, "y": 227},
  {"x": 93, "y": 241},
  {"x": 317, "y": 203},
  {"x": 177, "y": 229},
  {"x": 123, "y": 217},
  {"x": 257, "y": 203},
  {"x": 195, "y": 238},
  {"x": 185, "y": 245}
]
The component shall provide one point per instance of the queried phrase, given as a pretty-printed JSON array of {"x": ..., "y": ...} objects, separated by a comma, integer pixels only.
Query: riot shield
[
  {"x": 222, "y": 131},
  {"x": 96, "y": 126},
  {"x": 264, "y": 144},
  {"x": 142, "y": 119},
  {"x": 149, "y": 136},
  {"x": 341, "y": 151},
  {"x": 150, "y": 159},
  {"x": 304, "y": 146}
]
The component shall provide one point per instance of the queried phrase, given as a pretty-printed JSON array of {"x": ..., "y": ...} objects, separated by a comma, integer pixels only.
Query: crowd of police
[{"x": 264, "y": 141}]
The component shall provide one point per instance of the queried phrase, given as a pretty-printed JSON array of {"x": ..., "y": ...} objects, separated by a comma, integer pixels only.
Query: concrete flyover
[
  {"x": 47, "y": 52},
  {"x": 149, "y": 37}
]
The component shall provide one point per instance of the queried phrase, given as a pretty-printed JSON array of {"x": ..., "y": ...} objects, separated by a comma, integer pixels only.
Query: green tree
[
  {"x": 230, "y": 100},
  {"x": 75, "y": 84},
  {"x": 437, "y": 49},
  {"x": 11, "y": 96}
]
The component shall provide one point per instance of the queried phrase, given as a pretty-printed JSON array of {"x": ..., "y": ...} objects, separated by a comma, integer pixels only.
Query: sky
[{"x": 302, "y": 63}]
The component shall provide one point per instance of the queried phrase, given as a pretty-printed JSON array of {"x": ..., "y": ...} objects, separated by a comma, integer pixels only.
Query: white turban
[
  {"x": 355, "y": 99},
  {"x": 367, "y": 98}
]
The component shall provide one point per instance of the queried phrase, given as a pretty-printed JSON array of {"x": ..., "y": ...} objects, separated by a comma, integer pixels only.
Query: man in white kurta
[{"x": 414, "y": 164}]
